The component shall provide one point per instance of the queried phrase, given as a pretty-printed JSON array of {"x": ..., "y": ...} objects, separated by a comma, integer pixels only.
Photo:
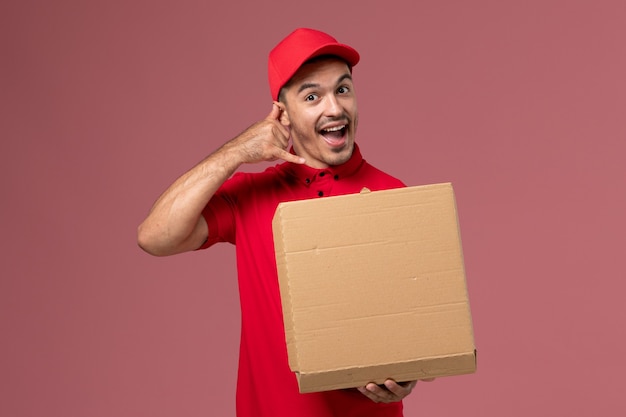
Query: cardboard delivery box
[{"x": 373, "y": 287}]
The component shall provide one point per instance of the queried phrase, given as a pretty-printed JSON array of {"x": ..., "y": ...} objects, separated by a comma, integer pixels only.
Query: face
[{"x": 320, "y": 111}]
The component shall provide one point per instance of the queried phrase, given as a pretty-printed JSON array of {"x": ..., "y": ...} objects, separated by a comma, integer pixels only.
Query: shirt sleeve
[{"x": 220, "y": 213}]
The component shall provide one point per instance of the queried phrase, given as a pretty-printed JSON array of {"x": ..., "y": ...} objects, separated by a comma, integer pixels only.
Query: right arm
[{"x": 175, "y": 223}]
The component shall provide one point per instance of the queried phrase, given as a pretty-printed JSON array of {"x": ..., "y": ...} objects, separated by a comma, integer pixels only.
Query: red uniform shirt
[{"x": 241, "y": 213}]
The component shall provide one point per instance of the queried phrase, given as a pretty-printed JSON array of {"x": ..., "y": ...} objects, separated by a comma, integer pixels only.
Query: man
[{"x": 315, "y": 106}]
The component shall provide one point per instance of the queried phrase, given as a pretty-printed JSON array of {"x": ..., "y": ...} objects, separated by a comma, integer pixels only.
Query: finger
[
  {"x": 365, "y": 392},
  {"x": 372, "y": 396},
  {"x": 281, "y": 133},
  {"x": 380, "y": 394},
  {"x": 400, "y": 391},
  {"x": 289, "y": 157}
]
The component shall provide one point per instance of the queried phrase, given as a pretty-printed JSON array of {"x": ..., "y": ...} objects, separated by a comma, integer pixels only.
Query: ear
[{"x": 284, "y": 115}]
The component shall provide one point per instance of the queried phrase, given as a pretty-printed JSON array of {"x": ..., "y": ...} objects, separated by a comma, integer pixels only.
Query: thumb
[{"x": 275, "y": 113}]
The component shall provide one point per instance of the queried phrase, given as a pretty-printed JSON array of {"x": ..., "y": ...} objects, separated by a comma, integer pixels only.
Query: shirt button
[
  {"x": 308, "y": 181},
  {"x": 320, "y": 193},
  {"x": 336, "y": 177},
  {"x": 322, "y": 174}
]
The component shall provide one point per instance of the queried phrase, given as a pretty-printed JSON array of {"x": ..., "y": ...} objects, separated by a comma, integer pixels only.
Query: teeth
[{"x": 334, "y": 129}]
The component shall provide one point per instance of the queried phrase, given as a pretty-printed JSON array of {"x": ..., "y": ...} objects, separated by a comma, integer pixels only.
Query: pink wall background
[{"x": 521, "y": 105}]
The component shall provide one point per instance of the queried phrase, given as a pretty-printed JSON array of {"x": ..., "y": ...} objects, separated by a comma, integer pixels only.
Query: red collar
[{"x": 307, "y": 174}]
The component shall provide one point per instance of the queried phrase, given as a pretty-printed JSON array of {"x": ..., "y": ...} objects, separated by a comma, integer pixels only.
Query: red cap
[{"x": 297, "y": 48}]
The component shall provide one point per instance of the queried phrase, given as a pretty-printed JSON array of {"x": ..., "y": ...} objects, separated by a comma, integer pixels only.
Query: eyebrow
[{"x": 313, "y": 85}]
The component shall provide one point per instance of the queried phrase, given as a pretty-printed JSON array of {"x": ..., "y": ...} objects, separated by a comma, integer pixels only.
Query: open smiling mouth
[{"x": 335, "y": 136}]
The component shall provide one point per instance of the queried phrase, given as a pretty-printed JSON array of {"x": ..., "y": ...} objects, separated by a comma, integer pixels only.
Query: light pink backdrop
[{"x": 520, "y": 104}]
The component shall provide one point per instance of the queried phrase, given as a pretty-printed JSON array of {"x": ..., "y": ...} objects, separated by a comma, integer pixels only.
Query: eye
[
  {"x": 343, "y": 90},
  {"x": 310, "y": 97}
]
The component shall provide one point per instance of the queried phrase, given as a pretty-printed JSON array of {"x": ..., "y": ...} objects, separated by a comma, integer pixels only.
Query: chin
[{"x": 342, "y": 156}]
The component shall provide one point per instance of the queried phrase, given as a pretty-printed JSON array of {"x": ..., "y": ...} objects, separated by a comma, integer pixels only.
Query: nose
[{"x": 332, "y": 106}]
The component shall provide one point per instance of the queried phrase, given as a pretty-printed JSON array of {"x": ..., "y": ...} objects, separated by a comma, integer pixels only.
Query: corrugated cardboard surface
[{"x": 373, "y": 287}]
